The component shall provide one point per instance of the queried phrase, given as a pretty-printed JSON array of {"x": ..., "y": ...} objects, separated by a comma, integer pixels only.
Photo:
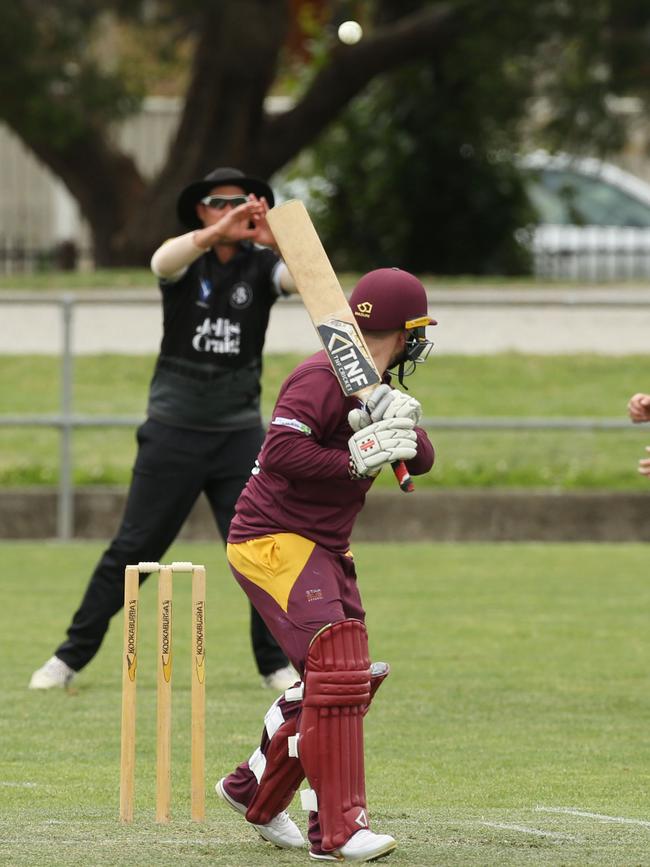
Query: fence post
[{"x": 65, "y": 506}]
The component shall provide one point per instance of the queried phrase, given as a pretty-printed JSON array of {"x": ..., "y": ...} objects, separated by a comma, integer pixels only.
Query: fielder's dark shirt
[
  {"x": 215, "y": 317},
  {"x": 302, "y": 484}
]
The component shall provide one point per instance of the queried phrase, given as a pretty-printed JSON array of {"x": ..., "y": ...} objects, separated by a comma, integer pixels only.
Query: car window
[{"x": 568, "y": 198}]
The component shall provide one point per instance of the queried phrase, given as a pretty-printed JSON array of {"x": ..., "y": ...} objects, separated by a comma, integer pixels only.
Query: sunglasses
[{"x": 220, "y": 202}]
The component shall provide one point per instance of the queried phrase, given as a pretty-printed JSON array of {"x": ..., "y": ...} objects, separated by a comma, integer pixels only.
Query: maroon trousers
[{"x": 296, "y": 601}]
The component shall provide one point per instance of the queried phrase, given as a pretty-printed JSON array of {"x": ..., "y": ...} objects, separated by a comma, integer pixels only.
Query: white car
[{"x": 594, "y": 219}]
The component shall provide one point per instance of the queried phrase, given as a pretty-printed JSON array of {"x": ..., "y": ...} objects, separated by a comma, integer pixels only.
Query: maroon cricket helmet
[{"x": 388, "y": 299}]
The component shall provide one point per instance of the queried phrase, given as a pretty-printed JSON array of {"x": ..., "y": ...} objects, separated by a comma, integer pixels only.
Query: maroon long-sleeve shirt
[{"x": 302, "y": 484}]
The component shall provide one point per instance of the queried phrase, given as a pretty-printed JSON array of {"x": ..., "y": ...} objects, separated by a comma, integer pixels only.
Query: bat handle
[{"x": 403, "y": 477}]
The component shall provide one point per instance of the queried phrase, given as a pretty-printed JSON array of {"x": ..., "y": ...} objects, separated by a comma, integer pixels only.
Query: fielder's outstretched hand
[
  {"x": 381, "y": 443},
  {"x": 644, "y": 464},
  {"x": 639, "y": 407},
  {"x": 385, "y": 402}
]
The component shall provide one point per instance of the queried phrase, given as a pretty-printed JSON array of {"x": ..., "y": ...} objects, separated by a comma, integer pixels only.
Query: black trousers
[{"x": 173, "y": 466}]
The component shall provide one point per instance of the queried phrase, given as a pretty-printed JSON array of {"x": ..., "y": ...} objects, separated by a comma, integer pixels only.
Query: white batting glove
[
  {"x": 358, "y": 419},
  {"x": 381, "y": 443},
  {"x": 387, "y": 402}
]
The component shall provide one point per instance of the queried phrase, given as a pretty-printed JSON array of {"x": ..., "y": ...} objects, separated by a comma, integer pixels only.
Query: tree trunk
[
  {"x": 105, "y": 183},
  {"x": 234, "y": 66}
]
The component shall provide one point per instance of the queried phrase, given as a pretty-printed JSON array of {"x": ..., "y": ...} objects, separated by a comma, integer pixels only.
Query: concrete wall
[{"x": 447, "y": 516}]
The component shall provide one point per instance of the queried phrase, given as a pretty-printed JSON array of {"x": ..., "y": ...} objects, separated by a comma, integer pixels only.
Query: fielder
[
  {"x": 288, "y": 548},
  {"x": 203, "y": 430}
]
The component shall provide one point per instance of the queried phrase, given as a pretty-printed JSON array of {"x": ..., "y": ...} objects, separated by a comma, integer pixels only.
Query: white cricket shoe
[
  {"x": 281, "y": 830},
  {"x": 55, "y": 673},
  {"x": 363, "y": 846},
  {"x": 281, "y": 679}
]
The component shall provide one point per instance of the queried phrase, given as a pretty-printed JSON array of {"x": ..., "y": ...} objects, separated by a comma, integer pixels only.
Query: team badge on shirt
[{"x": 241, "y": 296}]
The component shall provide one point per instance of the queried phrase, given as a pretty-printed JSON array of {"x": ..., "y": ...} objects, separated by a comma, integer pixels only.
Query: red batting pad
[
  {"x": 280, "y": 780},
  {"x": 284, "y": 774},
  {"x": 337, "y": 691}
]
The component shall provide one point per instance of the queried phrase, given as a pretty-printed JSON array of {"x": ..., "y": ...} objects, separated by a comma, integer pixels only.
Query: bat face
[{"x": 323, "y": 297}]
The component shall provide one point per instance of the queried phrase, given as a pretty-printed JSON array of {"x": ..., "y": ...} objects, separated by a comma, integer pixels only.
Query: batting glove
[
  {"x": 387, "y": 402},
  {"x": 358, "y": 419},
  {"x": 380, "y": 443}
]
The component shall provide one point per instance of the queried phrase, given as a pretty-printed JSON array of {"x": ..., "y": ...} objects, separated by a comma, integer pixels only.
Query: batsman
[{"x": 289, "y": 549}]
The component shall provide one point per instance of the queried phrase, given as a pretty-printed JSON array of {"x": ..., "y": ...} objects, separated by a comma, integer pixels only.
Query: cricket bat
[{"x": 328, "y": 307}]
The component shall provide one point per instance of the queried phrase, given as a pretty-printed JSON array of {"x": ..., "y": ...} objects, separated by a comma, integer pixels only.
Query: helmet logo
[{"x": 364, "y": 309}]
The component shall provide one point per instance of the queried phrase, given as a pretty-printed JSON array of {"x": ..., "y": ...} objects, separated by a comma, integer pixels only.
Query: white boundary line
[
  {"x": 570, "y": 811},
  {"x": 537, "y": 832}
]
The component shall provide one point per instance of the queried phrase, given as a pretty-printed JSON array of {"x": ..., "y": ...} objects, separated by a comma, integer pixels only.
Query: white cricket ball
[{"x": 350, "y": 32}]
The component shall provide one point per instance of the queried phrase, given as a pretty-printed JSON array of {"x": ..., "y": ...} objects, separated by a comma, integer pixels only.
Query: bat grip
[{"x": 403, "y": 477}]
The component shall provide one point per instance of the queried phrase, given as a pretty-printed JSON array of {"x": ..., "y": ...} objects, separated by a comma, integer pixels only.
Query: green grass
[
  {"x": 519, "y": 687},
  {"x": 447, "y": 386},
  {"x": 133, "y": 278},
  {"x": 102, "y": 278}
]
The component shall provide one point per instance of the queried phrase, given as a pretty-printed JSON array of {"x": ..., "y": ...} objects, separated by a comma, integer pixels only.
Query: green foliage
[
  {"x": 420, "y": 170},
  {"x": 72, "y": 66},
  {"x": 413, "y": 182},
  {"x": 55, "y": 87}
]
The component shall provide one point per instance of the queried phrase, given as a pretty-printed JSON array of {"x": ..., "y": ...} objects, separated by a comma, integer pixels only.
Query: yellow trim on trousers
[{"x": 273, "y": 562}]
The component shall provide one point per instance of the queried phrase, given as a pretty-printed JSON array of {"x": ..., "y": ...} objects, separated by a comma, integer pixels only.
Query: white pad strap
[
  {"x": 273, "y": 719},
  {"x": 292, "y": 745},
  {"x": 295, "y": 693},
  {"x": 257, "y": 764},
  {"x": 308, "y": 800}
]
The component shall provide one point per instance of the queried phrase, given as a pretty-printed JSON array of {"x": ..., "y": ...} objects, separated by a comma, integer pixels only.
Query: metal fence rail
[{"x": 66, "y": 421}]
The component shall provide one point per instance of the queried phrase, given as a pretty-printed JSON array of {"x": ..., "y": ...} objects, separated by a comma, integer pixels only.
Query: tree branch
[{"x": 348, "y": 70}]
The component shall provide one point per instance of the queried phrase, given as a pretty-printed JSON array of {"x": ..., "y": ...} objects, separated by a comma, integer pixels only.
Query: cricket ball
[{"x": 350, "y": 32}]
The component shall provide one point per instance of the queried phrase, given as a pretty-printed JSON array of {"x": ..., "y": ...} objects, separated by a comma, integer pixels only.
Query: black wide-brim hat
[{"x": 192, "y": 194}]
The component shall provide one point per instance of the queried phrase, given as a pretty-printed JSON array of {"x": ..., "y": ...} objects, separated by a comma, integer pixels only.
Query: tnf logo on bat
[{"x": 352, "y": 367}]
